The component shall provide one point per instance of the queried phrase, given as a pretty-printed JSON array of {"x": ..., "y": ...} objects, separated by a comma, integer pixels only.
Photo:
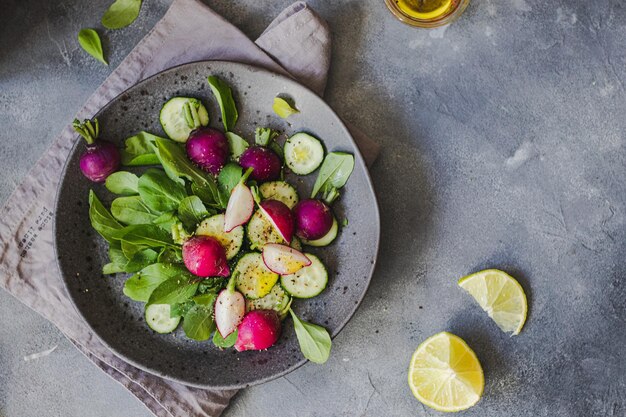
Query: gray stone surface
[{"x": 504, "y": 147}]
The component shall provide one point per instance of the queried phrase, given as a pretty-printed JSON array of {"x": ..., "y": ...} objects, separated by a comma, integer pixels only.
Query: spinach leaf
[
  {"x": 122, "y": 183},
  {"x": 314, "y": 340},
  {"x": 117, "y": 262},
  {"x": 170, "y": 255},
  {"x": 222, "y": 343},
  {"x": 121, "y": 14},
  {"x": 264, "y": 135},
  {"x": 90, "y": 42},
  {"x": 177, "y": 166},
  {"x": 140, "y": 286},
  {"x": 139, "y": 150},
  {"x": 174, "y": 290},
  {"x": 192, "y": 211},
  {"x": 181, "y": 309},
  {"x": 159, "y": 192},
  {"x": 237, "y": 144},
  {"x": 166, "y": 220},
  {"x": 205, "y": 299},
  {"x": 333, "y": 175},
  {"x": 141, "y": 260},
  {"x": 144, "y": 236},
  {"x": 129, "y": 249},
  {"x": 198, "y": 323},
  {"x": 213, "y": 285},
  {"x": 224, "y": 96},
  {"x": 101, "y": 220},
  {"x": 179, "y": 233},
  {"x": 113, "y": 268},
  {"x": 132, "y": 210},
  {"x": 228, "y": 178},
  {"x": 282, "y": 108}
]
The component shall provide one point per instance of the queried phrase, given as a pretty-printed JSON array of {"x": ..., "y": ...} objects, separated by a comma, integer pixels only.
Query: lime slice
[
  {"x": 445, "y": 373},
  {"x": 500, "y": 295}
]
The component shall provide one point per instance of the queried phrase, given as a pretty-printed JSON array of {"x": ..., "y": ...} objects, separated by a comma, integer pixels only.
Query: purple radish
[
  {"x": 101, "y": 158},
  {"x": 313, "y": 219},
  {"x": 259, "y": 330},
  {"x": 208, "y": 148},
  {"x": 283, "y": 260},
  {"x": 230, "y": 307},
  {"x": 240, "y": 205},
  {"x": 265, "y": 163},
  {"x": 279, "y": 216}
]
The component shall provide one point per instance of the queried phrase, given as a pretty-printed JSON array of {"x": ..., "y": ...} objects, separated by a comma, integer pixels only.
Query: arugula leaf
[
  {"x": 264, "y": 135},
  {"x": 122, "y": 183},
  {"x": 139, "y": 150},
  {"x": 228, "y": 178},
  {"x": 224, "y": 96},
  {"x": 198, "y": 323},
  {"x": 314, "y": 340},
  {"x": 237, "y": 144},
  {"x": 282, "y": 108},
  {"x": 192, "y": 211},
  {"x": 159, "y": 192},
  {"x": 333, "y": 175},
  {"x": 222, "y": 343},
  {"x": 132, "y": 210},
  {"x": 174, "y": 290},
  {"x": 101, "y": 220},
  {"x": 140, "y": 286},
  {"x": 177, "y": 166},
  {"x": 144, "y": 236},
  {"x": 90, "y": 42},
  {"x": 121, "y": 14},
  {"x": 140, "y": 260}
]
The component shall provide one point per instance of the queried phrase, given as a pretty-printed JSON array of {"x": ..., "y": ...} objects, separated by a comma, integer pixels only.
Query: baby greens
[
  {"x": 121, "y": 14},
  {"x": 90, "y": 42},
  {"x": 333, "y": 175},
  {"x": 314, "y": 340},
  {"x": 224, "y": 96},
  {"x": 122, "y": 183},
  {"x": 139, "y": 150}
]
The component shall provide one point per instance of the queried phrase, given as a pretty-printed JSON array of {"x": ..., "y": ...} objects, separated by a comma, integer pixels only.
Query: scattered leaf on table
[
  {"x": 121, "y": 14},
  {"x": 90, "y": 42}
]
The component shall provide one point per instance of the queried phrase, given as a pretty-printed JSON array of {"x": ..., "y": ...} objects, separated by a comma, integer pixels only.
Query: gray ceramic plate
[{"x": 119, "y": 322}]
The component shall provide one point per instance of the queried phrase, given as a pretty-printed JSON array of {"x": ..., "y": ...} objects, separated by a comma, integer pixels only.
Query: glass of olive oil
[{"x": 427, "y": 13}]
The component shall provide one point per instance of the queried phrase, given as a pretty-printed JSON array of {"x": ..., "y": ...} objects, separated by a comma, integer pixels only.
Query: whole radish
[
  {"x": 208, "y": 148},
  {"x": 205, "y": 256},
  {"x": 264, "y": 162},
  {"x": 101, "y": 158},
  {"x": 259, "y": 330},
  {"x": 313, "y": 219}
]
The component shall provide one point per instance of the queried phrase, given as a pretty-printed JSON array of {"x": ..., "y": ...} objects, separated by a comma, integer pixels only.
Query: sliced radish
[
  {"x": 280, "y": 216},
  {"x": 240, "y": 207},
  {"x": 284, "y": 260},
  {"x": 230, "y": 307}
]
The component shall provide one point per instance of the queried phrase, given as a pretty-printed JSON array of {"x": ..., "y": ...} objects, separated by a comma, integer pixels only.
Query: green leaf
[
  {"x": 170, "y": 255},
  {"x": 198, "y": 323},
  {"x": 224, "y": 96},
  {"x": 139, "y": 150},
  {"x": 122, "y": 183},
  {"x": 141, "y": 260},
  {"x": 113, "y": 268},
  {"x": 174, "y": 290},
  {"x": 90, "y": 42},
  {"x": 132, "y": 210},
  {"x": 140, "y": 286},
  {"x": 207, "y": 299},
  {"x": 101, "y": 220},
  {"x": 334, "y": 173},
  {"x": 177, "y": 166},
  {"x": 237, "y": 144},
  {"x": 121, "y": 14},
  {"x": 192, "y": 211},
  {"x": 159, "y": 192},
  {"x": 166, "y": 220},
  {"x": 116, "y": 256},
  {"x": 228, "y": 178},
  {"x": 314, "y": 340},
  {"x": 179, "y": 233},
  {"x": 212, "y": 286},
  {"x": 222, "y": 343},
  {"x": 181, "y": 309},
  {"x": 144, "y": 236},
  {"x": 282, "y": 108},
  {"x": 264, "y": 135},
  {"x": 129, "y": 249}
]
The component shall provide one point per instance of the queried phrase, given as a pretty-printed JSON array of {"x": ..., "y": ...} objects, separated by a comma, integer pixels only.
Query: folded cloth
[{"x": 297, "y": 43}]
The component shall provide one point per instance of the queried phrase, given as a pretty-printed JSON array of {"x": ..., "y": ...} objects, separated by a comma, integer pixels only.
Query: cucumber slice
[
  {"x": 180, "y": 115},
  {"x": 260, "y": 231},
  {"x": 307, "y": 282},
  {"x": 276, "y": 300},
  {"x": 327, "y": 239},
  {"x": 303, "y": 153},
  {"x": 214, "y": 227},
  {"x": 281, "y": 191},
  {"x": 253, "y": 279},
  {"x": 296, "y": 244},
  {"x": 159, "y": 320}
]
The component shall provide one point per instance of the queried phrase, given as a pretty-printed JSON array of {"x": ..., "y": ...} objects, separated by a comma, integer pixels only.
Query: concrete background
[{"x": 503, "y": 146}]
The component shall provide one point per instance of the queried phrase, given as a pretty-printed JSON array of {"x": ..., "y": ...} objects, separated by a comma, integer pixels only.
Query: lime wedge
[
  {"x": 500, "y": 295},
  {"x": 445, "y": 373}
]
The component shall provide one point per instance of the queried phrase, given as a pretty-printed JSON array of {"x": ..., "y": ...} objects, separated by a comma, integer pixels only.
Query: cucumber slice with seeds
[
  {"x": 276, "y": 300},
  {"x": 159, "y": 320},
  {"x": 327, "y": 239},
  {"x": 180, "y": 115},
  {"x": 214, "y": 227},
  {"x": 253, "y": 278},
  {"x": 307, "y": 282},
  {"x": 303, "y": 153},
  {"x": 260, "y": 231},
  {"x": 281, "y": 191}
]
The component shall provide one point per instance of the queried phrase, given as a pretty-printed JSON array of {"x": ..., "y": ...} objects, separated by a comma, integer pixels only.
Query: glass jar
[{"x": 432, "y": 19}]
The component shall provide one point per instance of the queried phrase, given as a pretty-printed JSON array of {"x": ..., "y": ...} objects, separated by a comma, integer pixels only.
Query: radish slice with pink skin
[
  {"x": 280, "y": 216},
  {"x": 284, "y": 260},
  {"x": 240, "y": 207},
  {"x": 230, "y": 307}
]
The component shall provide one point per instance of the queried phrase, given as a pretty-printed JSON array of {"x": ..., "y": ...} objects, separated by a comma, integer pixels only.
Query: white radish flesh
[{"x": 284, "y": 260}]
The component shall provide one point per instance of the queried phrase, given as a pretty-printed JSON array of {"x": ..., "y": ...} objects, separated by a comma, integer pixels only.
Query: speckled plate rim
[{"x": 359, "y": 157}]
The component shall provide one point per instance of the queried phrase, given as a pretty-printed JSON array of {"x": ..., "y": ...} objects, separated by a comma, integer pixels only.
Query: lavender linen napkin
[{"x": 296, "y": 43}]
